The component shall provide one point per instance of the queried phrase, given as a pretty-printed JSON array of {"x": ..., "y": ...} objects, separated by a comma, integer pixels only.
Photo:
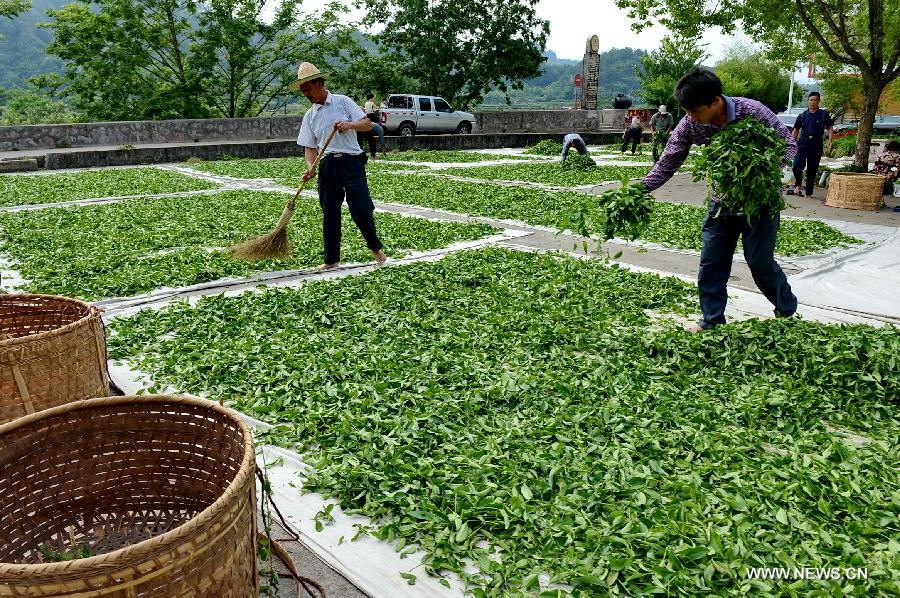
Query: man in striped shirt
[
  {"x": 342, "y": 169},
  {"x": 700, "y": 93}
]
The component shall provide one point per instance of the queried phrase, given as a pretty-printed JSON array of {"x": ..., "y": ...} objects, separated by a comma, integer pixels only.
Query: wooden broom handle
[{"x": 316, "y": 163}]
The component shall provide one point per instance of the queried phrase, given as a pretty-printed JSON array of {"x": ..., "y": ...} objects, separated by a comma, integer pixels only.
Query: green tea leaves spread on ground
[
  {"x": 742, "y": 165},
  {"x": 545, "y": 147},
  {"x": 577, "y": 162},
  {"x": 517, "y": 412},
  {"x": 448, "y": 156},
  {"x": 676, "y": 225},
  {"x": 134, "y": 246},
  {"x": 549, "y": 173},
  {"x": 20, "y": 190},
  {"x": 286, "y": 171}
]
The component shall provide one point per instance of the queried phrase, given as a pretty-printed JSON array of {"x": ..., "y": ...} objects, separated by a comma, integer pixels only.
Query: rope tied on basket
[{"x": 303, "y": 583}]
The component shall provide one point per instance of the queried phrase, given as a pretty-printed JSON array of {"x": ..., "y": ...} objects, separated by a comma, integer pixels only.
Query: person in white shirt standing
[{"x": 342, "y": 169}]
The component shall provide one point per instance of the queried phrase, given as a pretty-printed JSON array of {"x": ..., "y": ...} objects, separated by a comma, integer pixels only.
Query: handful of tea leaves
[
  {"x": 742, "y": 165},
  {"x": 624, "y": 210}
]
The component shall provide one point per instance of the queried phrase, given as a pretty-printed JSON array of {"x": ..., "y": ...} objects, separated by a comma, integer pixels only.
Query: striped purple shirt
[{"x": 688, "y": 133}]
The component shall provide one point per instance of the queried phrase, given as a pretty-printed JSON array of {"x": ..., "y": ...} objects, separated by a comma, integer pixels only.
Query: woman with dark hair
[{"x": 888, "y": 163}]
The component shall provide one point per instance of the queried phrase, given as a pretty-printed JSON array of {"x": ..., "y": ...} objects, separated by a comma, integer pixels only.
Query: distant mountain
[
  {"x": 23, "y": 45},
  {"x": 554, "y": 88}
]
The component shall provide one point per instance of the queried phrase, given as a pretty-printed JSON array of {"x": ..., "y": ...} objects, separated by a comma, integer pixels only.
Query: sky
[{"x": 572, "y": 22}]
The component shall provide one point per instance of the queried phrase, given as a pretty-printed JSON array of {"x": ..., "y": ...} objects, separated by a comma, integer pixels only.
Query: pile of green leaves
[
  {"x": 625, "y": 210},
  {"x": 448, "y": 156},
  {"x": 20, "y": 190},
  {"x": 676, "y": 225},
  {"x": 577, "y": 162},
  {"x": 131, "y": 247},
  {"x": 517, "y": 411},
  {"x": 51, "y": 554},
  {"x": 286, "y": 171},
  {"x": 545, "y": 147},
  {"x": 549, "y": 173},
  {"x": 742, "y": 165}
]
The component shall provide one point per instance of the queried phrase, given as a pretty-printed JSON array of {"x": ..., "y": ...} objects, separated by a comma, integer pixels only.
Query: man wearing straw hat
[{"x": 342, "y": 169}]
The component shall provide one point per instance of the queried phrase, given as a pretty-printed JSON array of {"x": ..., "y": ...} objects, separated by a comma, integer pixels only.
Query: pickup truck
[{"x": 408, "y": 114}]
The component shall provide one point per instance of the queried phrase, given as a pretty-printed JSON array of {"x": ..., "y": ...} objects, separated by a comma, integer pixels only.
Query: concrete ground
[{"x": 308, "y": 565}]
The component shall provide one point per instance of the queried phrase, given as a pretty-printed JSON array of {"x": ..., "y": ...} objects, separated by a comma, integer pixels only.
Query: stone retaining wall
[
  {"x": 26, "y": 137},
  {"x": 87, "y": 158},
  {"x": 29, "y": 137}
]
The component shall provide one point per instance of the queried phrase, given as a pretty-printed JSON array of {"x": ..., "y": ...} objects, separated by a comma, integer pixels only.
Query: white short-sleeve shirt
[{"x": 319, "y": 120}]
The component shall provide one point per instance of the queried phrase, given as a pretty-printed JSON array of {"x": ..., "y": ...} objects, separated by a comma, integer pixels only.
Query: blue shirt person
[{"x": 809, "y": 132}]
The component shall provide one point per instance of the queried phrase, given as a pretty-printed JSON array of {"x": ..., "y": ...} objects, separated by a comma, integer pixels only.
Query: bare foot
[
  {"x": 325, "y": 267},
  {"x": 379, "y": 256},
  {"x": 694, "y": 329}
]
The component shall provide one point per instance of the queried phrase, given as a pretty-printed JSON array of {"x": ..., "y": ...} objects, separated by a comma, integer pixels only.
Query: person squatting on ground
[
  {"x": 573, "y": 140},
  {"x": 632, "y": 133},
  {"x": 699, "y": 92},
  {"x": 661, "y": 125},
  {"x": 808, "y": 132},
  {"x": 342, "y": 169},
  {"x": 887, "y": 164}
]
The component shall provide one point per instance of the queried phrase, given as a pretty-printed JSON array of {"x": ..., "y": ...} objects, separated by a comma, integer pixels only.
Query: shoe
[{"x": 790, "y": 192}]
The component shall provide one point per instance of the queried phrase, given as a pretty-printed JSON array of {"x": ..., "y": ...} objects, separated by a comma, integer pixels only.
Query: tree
[
  {"x": 29, "y": 107},
  {"x": 748, "y": 73},
  {"x": 661, "y": 69},
  {"x": 149, "y": 59},
  {"x": 861, "y": 34},
  {"x": 462, "y": 49},
  {"x": 11, "y": 8},
  {"x": 248, "y": 63}
]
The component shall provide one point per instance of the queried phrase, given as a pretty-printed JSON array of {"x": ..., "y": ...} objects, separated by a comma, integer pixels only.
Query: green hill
[
  {"x": 555, "y": 88},
  {"x": 23, "y": 45}
]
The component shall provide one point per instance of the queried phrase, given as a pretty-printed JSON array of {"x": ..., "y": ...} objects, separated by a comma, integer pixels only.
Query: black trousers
[
  {"x": 808, "y": 156},
  {"x": 634, "y": 136},
  {"x": 339, "y": 178}
]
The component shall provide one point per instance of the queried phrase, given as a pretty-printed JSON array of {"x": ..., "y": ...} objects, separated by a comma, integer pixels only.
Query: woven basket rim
[
  {"x": 90, "y": 312},
  {"x": 246, "y": 469},
  {"x": 868, "y": 175}
]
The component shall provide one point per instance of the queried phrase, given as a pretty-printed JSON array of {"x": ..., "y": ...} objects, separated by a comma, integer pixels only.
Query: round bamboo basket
[
  {"x": 855, "y": 190},
  {"x": 159, "y": 489},
  {"x": 52, "y": 352}
]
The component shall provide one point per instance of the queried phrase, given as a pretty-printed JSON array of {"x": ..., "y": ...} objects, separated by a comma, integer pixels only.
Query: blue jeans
[
  {"x": 808, "y": 156},
  {"x": 341, "y": 177},
  {"x": 720, "y": 237}
]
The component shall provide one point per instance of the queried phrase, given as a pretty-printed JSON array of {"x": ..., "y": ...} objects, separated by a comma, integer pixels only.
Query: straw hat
[{"x": 307, "y": 72}]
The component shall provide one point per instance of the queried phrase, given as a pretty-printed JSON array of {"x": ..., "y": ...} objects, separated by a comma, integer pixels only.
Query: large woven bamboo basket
[
  {"x": 52, "y": 351},
  {"x": 160, "y": 489},
  {"x": 855, "y": 190}
]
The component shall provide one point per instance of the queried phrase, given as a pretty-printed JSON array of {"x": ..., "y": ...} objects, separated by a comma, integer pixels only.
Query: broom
[{"x": 276, "y": 244}]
